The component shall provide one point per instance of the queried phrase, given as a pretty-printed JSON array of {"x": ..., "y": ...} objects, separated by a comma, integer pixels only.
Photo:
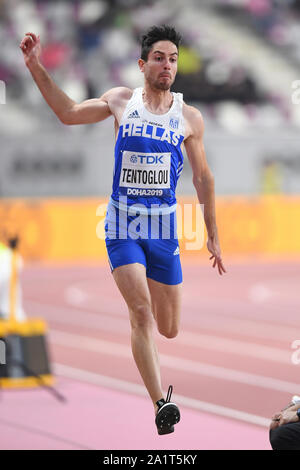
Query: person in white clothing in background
[{"x": 6, "y": 255}]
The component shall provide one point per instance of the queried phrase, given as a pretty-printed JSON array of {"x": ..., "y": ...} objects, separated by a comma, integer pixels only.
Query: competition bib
[{"x": 145, "y": 174}]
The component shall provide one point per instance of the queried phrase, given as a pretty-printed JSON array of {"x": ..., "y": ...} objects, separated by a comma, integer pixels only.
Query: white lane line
[
  {"x": 256, "y": 329},
  {"x": 185, "y": 365},
  {"x": 136, "y": 389},
  {"x": 71, "y": 316},
  {"x": 100, "y": 322},
  {"x": 233, "y": 346}
]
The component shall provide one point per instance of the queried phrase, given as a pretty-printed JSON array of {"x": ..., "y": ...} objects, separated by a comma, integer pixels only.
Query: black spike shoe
[{"x": 167, "y": 414}]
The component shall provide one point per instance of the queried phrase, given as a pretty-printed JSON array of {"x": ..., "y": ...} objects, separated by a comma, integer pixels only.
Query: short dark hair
[{"x": 158, "y": 33}]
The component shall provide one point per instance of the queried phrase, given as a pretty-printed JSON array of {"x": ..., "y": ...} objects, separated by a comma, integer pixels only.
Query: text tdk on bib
[{"x": 145, "y": 170}]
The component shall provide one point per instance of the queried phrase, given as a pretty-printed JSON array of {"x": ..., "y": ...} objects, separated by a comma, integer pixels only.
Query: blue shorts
[{"x": 147, "y": 239}]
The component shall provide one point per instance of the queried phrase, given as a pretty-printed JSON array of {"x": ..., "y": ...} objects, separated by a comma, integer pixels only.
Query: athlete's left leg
[{"x": 166, "y": 306}]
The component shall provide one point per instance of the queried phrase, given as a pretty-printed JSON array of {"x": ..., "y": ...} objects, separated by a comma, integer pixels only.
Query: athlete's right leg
[{"x": 132, "y": 283}]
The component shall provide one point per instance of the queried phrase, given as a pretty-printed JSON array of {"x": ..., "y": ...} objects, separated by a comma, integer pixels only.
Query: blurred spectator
[
  {"x": 93, "y": 45},
  {"x": 271, "y": 177},
  {"x": 5, "y": 279},
  {"x": 284, "y": 431}
]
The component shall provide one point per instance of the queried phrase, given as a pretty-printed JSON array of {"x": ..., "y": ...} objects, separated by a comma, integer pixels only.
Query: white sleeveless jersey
[{"x": 148, "y": 156}]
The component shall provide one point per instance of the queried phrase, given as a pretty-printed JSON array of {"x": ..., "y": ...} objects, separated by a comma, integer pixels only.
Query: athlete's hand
[
  {"x": 213, "y": 247},
  {"x": 31, "y": 48}
]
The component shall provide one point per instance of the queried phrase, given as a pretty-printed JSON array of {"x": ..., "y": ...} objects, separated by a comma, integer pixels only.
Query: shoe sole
[{"x": 167, "y": 416}]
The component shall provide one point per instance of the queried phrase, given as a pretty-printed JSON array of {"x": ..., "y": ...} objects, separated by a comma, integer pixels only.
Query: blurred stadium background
[{"x": 239, "y": 63}]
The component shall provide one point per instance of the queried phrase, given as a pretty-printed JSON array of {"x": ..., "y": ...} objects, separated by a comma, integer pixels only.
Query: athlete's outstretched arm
[
  {"x": 67, "y": 110},
  {"x": 203, "y": 181}
]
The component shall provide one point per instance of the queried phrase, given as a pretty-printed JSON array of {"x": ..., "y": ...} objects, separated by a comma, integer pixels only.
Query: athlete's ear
[{"x": 141, "y": 63}]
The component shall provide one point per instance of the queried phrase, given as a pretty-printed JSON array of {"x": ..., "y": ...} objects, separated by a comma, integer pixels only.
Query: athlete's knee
[
  {"x": 140, "y": 316},
  {"x": 169, "y": 331},
  {"x": 168, "y": 323}
]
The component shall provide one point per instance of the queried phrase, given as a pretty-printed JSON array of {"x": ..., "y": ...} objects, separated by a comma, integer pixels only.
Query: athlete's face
[{"x": 161, "y": 66}]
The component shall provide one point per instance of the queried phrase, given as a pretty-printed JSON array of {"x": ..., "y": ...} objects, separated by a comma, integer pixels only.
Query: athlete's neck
[{"x": 157, "y": 101}]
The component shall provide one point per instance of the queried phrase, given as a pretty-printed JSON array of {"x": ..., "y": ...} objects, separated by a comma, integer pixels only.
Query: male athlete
[{"x": 151, "y": 124}]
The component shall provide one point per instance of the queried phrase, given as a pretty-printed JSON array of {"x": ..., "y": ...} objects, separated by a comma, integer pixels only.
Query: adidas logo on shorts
[
  {"x": 135, "y": 114},
  {"x": 176, "y": 252}
]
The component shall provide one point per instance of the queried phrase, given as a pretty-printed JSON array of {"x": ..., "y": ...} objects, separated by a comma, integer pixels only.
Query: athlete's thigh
[
  {"x": 132, "y": 283},
  {"x": 166, "y": 306}
]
